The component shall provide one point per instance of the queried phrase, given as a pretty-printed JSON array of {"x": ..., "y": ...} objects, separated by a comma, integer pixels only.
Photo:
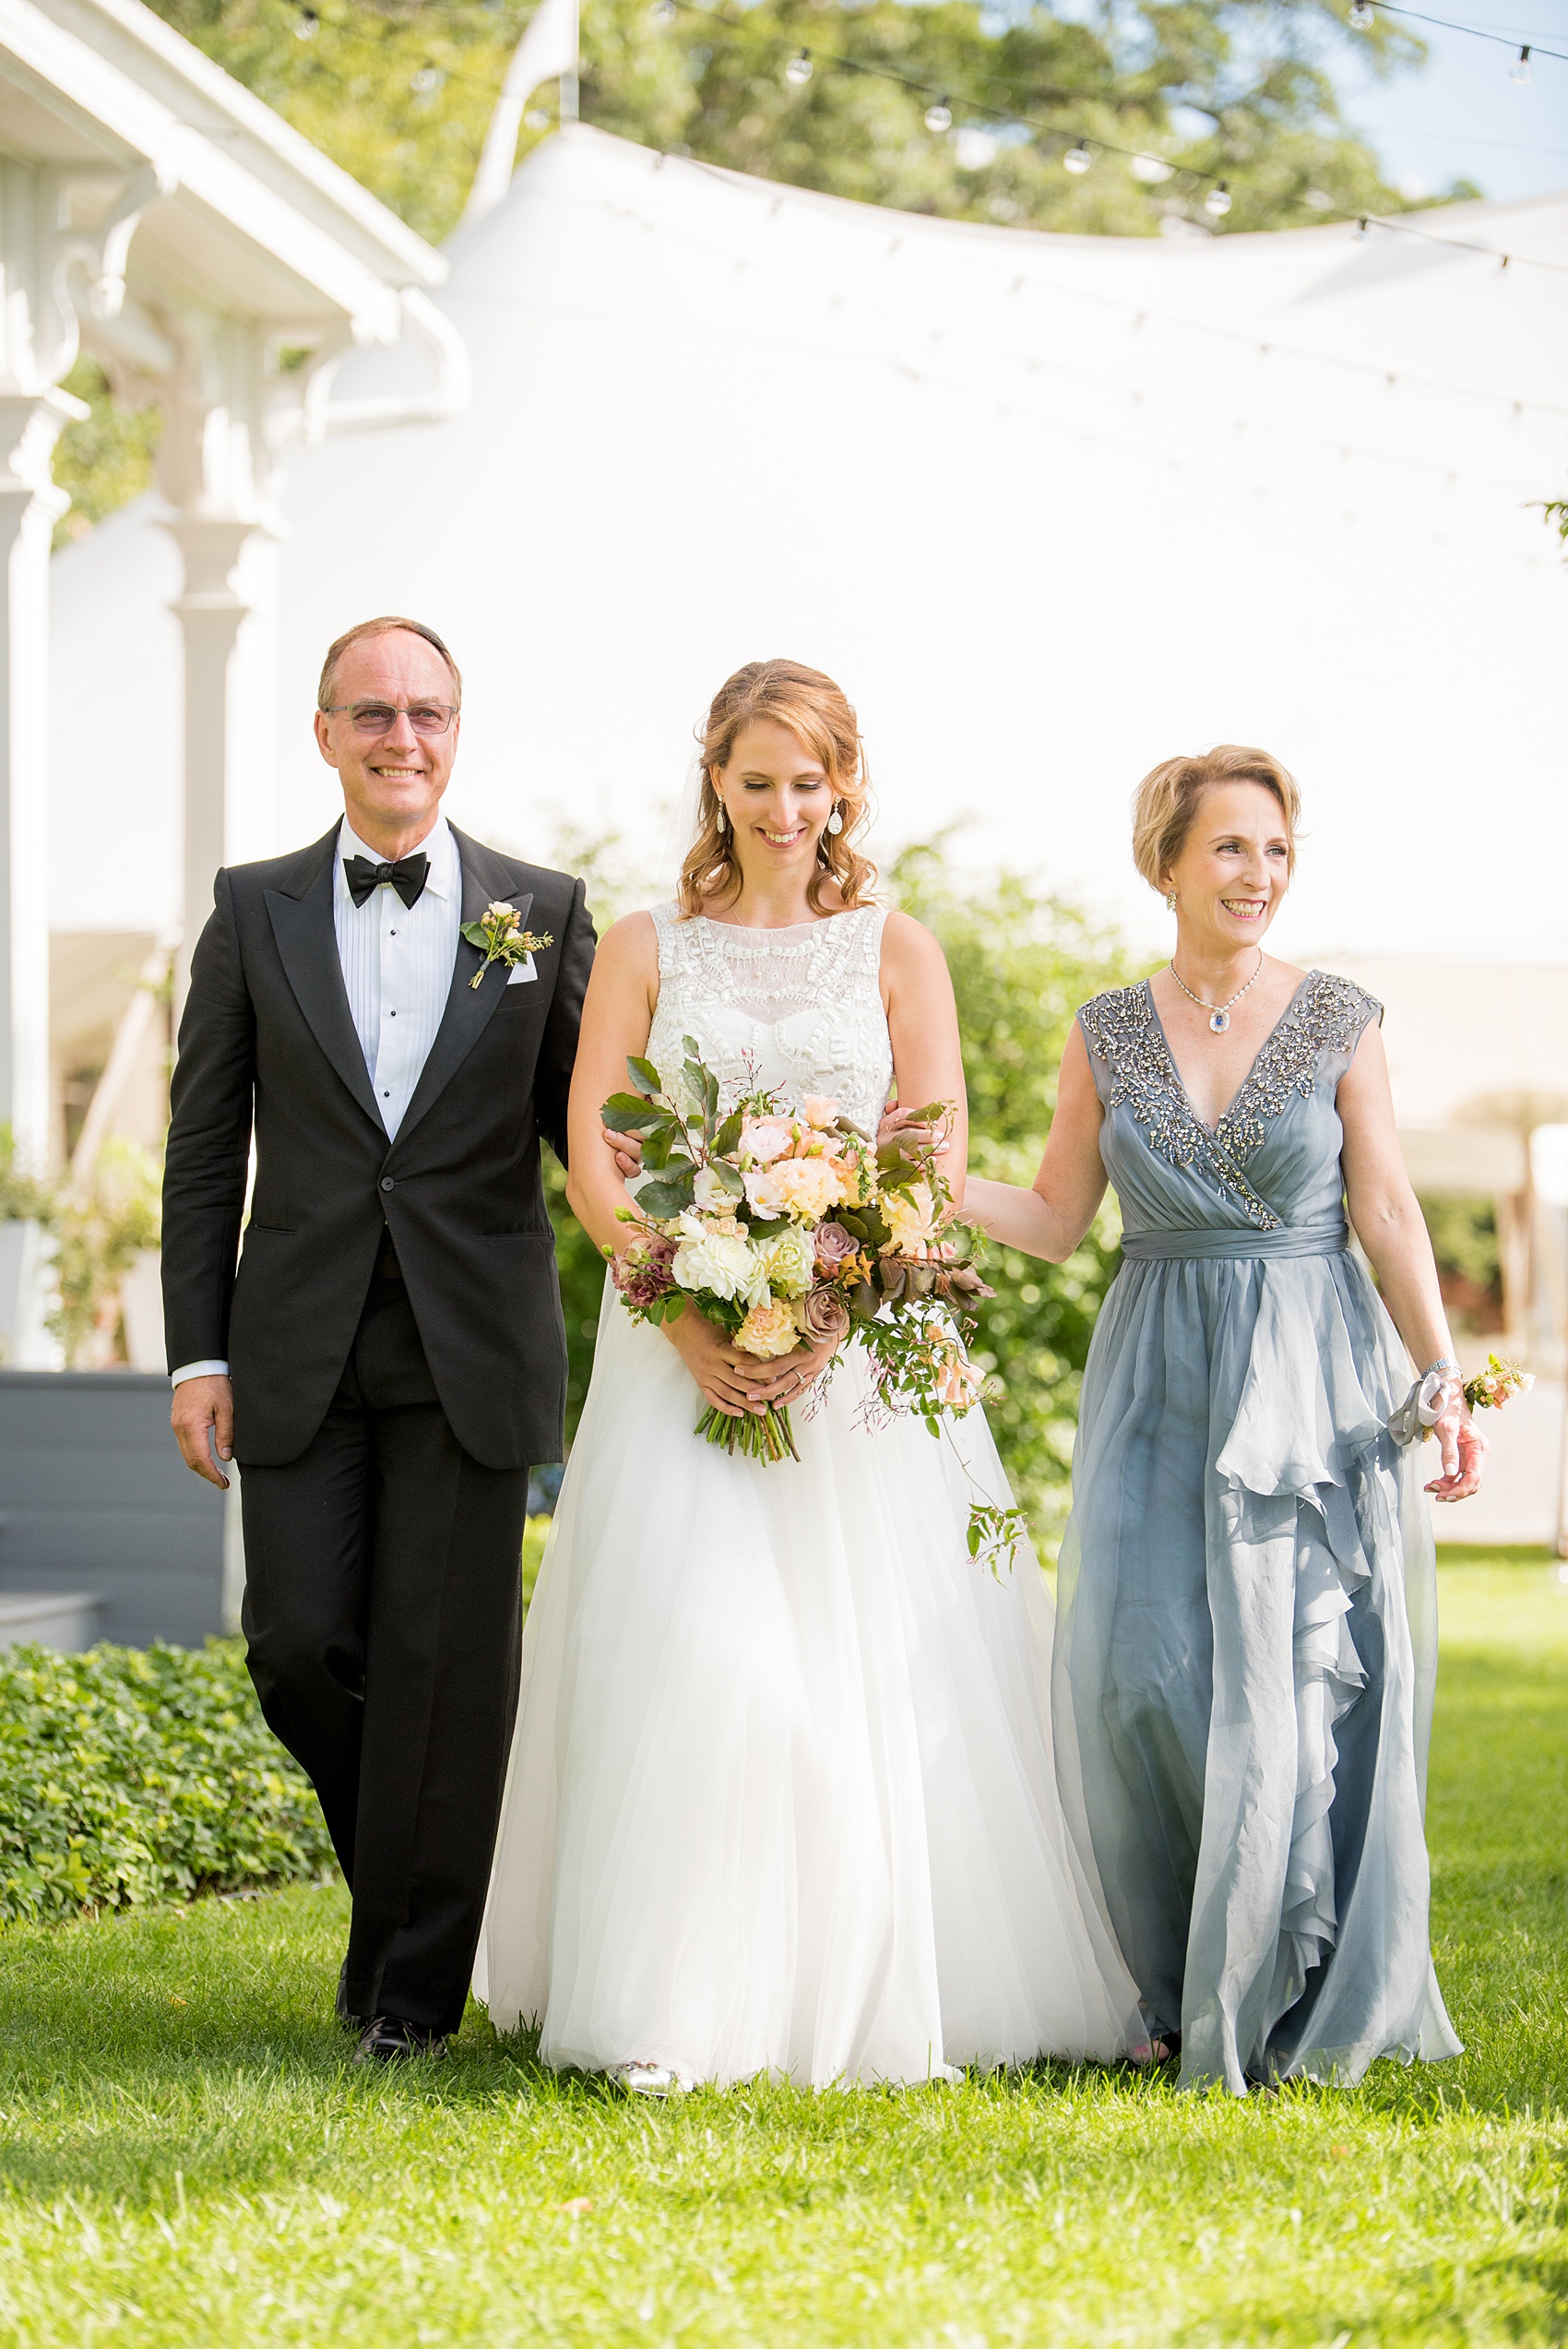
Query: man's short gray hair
[{"x": 382, "y": 627}]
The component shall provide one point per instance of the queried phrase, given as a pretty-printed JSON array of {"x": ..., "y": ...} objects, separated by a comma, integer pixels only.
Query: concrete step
[{"x": 68, "y": 1620}]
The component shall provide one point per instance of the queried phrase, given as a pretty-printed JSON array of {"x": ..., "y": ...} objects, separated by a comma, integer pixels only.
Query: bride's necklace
[{"x": 1219, "y": 1013}]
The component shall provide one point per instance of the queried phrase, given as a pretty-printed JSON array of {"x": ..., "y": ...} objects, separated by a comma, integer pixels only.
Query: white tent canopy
[{"x": 1050, "y": 506}]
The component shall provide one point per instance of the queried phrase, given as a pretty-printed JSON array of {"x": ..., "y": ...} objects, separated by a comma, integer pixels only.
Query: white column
[
  {"x": 30, "y": 506},
  {"x": 215, "y": 467},
  {"x": 210, "y": 613}
]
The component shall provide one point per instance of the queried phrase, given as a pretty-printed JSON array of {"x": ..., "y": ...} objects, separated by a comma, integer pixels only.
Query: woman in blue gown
[{"x": 1246, "y": 1632}]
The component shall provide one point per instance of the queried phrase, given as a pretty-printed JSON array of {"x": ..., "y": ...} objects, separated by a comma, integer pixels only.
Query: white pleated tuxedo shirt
[{"x": 397, "y": 961}]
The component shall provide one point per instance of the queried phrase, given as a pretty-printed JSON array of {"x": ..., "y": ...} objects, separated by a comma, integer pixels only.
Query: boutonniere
[{"x": 500, "y": 932}]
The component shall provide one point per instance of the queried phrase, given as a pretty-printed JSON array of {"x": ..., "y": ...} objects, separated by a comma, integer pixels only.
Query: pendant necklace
[{"x": 1219, "y": 1013}]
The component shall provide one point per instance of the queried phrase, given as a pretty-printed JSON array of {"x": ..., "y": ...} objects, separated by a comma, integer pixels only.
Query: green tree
[
  {"x": 400, "y": 96},
  {"x": 400, "y": 93},
  {"x": 1022, "y": 962},
  {"x": 104, "y": 459}
]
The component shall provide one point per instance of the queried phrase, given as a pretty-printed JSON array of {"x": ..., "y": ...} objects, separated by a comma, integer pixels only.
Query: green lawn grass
[{"x": 186, "y": 2156}]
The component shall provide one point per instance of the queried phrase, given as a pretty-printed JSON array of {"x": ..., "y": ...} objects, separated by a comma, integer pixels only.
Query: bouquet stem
[{"x": 764, "y": 1434}]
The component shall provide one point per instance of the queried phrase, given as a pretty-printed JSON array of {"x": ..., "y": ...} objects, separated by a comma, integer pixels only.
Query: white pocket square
[{"x": 521, "y": 973}]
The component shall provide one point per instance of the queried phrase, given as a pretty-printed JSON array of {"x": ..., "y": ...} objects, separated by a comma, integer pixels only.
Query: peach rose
[
  {"x": 768, "y": 1329},
  {"x": 849, "y": 1170},
  {"x": 807, "y": 1185},
  {"x": 910, "y": 1217},
  {"x": 819, "y": 1109},
  {"x": 765, "y": 1139}
]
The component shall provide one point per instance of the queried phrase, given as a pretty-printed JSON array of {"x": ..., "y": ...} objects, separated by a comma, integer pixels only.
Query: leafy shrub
[
  {"x": 104, "y": 1222},
  {"x": 129, "y": 1775}
]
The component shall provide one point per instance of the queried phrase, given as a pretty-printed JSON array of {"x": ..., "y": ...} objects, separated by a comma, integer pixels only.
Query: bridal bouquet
[{"x": 782, "y": 1223}]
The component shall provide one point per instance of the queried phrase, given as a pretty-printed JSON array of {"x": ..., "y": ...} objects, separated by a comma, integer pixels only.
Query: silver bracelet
[{"x": 1443, "y": 1361}]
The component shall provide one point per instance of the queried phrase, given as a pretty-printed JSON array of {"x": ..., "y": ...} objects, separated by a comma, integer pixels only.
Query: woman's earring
[
  {"x": 724, "y": 824},
  {"x": 836, "y": 821},
  {"x": 1170, "y": 902}
]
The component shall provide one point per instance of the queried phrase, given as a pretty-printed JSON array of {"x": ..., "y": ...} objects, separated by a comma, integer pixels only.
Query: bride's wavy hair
[{"x": 818, "y": 714}]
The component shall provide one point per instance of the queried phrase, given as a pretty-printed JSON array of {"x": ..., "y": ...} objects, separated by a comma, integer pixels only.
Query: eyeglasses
[{"x": 380, "y": 717}]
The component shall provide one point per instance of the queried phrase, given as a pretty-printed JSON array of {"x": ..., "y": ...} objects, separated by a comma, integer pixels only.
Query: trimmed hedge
[{"x": 130, "y": 1774}]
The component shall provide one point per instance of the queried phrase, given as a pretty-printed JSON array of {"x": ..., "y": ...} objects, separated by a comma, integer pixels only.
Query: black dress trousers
[{"x": 384, "y": 1615}]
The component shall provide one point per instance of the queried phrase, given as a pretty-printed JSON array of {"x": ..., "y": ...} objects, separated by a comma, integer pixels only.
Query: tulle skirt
[
  {"x": 781, "y": 1797},
  {"x": 1245, "y": 1663}
]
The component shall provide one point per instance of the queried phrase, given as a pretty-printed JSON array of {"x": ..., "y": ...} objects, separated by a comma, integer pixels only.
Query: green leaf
[
  {"x": 692, "y": 1049},
  {"x": 665, "y": 1198},
  {"x": 643, "y": 1073},
  {"x": 728, "y": 1176},
  {"x": 728, "y": 1134},
  {"x": 630, "y": 1114},
  {"x": 474, "y": 933},
  {"x": 666, "y": 1146}
]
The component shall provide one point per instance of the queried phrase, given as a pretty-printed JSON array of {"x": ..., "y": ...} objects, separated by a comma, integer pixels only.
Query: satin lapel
[
  {"x": 468, "y": 1009},
  {"x": 307, "y": 943}
]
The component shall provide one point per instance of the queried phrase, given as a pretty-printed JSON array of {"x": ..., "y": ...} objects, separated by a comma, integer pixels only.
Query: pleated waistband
[{"x": 1304, "y": 1240}]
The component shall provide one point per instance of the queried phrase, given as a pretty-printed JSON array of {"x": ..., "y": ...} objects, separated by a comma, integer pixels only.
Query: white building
[{"x": 154, "y": 213}]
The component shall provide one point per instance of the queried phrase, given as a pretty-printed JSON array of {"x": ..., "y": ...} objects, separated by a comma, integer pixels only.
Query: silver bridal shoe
[{"x": 651, "y": 2079}]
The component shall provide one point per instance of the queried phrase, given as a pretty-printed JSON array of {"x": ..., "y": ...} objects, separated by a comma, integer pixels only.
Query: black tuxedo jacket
[{"x": 267, "y": 1038}]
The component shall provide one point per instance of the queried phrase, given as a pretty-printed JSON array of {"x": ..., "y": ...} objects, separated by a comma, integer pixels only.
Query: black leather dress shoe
[
  {"x": 389, "y": 2040},
  {"x": 345, "y": 2013}
]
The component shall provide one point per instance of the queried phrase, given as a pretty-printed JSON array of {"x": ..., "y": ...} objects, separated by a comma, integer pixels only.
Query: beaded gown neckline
[{"x": 1253, "y": 1066}]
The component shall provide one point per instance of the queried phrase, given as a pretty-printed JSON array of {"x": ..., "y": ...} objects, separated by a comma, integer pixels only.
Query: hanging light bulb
[
  {"x": 308, "y": 26},
  {"x": 938, "y": 118},
  {"x": 1521, "y": 69},
  {"x": 427, "y": 81},
  {"x": 663, "y": 12},
  {"x": 799, "y": 69},
  {"x": 1076, "y": 161},
  {"x": 1362, "y": 16},
  {"x": 1150, "y": 169},
  {"x": 1217, "y": 203}
]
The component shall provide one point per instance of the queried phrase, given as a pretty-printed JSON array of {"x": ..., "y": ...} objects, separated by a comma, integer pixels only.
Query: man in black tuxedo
[{"x": 388, "y": 1358}]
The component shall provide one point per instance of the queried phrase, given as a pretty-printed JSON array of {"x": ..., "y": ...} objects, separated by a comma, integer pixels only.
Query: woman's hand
[
  {"x": 791, "y": 1376},
  {"x": 734, "y": 1382},
  {"x": 627, "y": 1150},
  {"x": 901, "y": 1125},
  {"x": 1464, "y": 1451}
]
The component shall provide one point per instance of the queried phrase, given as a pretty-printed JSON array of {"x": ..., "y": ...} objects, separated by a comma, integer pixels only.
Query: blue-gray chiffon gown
[{"x": 1246, "y": 1638}]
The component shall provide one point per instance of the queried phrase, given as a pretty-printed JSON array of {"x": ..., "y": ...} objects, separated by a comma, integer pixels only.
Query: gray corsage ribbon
[{"x": 1422, "y": 1407}]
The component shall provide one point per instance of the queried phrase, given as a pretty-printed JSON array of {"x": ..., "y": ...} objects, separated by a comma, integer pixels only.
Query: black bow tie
[{"x": 408, "y": 876}]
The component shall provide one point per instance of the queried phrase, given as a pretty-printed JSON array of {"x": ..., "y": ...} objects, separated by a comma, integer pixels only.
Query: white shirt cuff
[{"x": 197, "y": 1370}]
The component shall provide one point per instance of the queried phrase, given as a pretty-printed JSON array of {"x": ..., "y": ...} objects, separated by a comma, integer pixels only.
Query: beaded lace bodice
[
  {"x": 798, "y": 1010},
  {"x": 1262, "y": 1163}
]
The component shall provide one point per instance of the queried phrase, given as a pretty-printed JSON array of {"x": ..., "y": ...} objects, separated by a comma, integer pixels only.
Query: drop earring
[
  {"x": 724, "y": 821},
  {"x": 836, "y": 821},
  {"x": 1170, "y": 902}
]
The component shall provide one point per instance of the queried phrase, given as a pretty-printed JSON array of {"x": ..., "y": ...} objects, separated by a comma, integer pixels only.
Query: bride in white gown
[{"x": 781, "y": 1797}]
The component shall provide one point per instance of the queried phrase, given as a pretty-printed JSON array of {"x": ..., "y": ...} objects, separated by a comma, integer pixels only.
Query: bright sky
[{"x": 1461, "y": 117}]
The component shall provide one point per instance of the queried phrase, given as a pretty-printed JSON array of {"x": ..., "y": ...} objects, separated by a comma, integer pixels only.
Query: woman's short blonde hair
[{"x": 1167, "y": 800}]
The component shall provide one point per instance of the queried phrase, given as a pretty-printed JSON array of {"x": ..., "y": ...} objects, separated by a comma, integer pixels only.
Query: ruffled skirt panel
[
  {"x": 1245, "y": 1667},
  {"x": 781, "y": 1797}
]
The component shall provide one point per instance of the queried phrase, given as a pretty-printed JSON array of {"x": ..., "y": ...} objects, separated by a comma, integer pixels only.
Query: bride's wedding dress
[{"x": 781, "y": 1795}]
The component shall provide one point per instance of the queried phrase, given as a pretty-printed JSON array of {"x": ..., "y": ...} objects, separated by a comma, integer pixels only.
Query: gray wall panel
[{"x": 95, "y": 1497}]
